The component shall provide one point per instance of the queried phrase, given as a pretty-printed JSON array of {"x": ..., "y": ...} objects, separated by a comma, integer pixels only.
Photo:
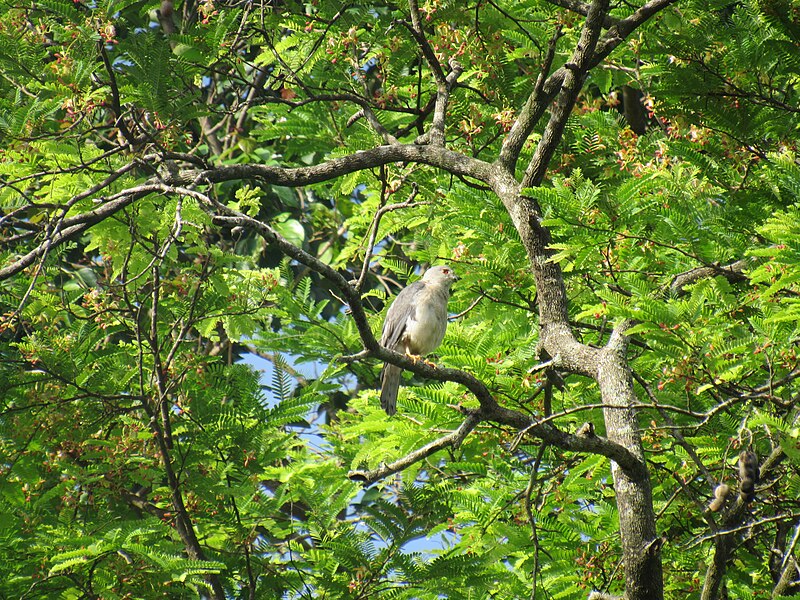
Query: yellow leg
[{"x": 416, "y": 358}]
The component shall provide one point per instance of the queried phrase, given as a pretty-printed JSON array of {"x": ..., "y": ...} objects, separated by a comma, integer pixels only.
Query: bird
[{"x": 415, "y": 324}]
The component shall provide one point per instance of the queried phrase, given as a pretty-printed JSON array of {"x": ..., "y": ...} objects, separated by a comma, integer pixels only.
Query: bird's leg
[{"x": 417, "y": 358}]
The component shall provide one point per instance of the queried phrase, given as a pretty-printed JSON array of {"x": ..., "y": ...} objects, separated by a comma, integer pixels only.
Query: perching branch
[{"x": 490, "y": 410}]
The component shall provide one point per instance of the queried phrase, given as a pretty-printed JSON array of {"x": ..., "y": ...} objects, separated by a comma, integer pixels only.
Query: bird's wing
[{"x": 402, "y": 309}]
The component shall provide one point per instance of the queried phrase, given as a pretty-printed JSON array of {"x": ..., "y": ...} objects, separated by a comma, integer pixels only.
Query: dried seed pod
[
  {"x": 748, "y": 475},
  {"x": 720, "y": 493}
]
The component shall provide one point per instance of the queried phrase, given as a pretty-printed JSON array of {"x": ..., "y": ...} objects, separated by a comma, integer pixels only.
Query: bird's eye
[{"x": 446, "y": 271}]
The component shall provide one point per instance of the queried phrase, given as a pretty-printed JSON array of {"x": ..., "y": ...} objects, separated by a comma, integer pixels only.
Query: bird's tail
[{"x": 390, "y": 384}]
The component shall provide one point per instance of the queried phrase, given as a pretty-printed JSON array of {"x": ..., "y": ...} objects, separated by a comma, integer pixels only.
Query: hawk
[{"x": 415, "y": 324}]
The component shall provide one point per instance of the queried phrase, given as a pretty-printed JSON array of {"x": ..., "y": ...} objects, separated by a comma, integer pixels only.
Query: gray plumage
[{"x": 415, "y": 324}]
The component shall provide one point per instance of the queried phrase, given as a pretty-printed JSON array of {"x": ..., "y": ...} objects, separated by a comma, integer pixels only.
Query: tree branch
[
  {"x": 577, "y": 69},
  {"x": 538, "y": 101},
  {"x": 183, "y": 522},
  {"x": 623, "y": 28},
  {"x": 79, "y": 224},
  {"x": 427, "y": 51},
  {"x": 733, "y": 272},
  {"x": 490, "y": 410},
  {"x": 453, "y": 439},
  {"x": 436, "y": 134},
  {"x": 373, "y": 231},
  {"x": 435, "y": 156},
  {"x": 583, "y": 9},
  {"x": 640, "y": 546}
]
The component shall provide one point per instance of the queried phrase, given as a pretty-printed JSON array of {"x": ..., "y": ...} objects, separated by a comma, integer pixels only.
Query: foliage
[{"x": 132, "y": 402}]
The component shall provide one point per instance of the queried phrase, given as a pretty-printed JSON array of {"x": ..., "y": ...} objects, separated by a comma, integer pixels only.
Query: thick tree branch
[
  {"x": 622, "y": 29},
  {"x": 539, "y": 100},
  {"x": 74, "y": 227},
  {"x": 641, "y": 552},
  {"x": 577, "y": 69},
  {"x": 435, "y": 156},
  {"x": 555, "y": 335}
]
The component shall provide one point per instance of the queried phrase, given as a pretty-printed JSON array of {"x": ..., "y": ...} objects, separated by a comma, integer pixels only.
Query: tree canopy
[{"x": 206, "y": 208}]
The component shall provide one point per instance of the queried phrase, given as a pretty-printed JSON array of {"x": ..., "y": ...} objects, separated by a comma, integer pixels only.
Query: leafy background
[{"x": 139, "y": 334}]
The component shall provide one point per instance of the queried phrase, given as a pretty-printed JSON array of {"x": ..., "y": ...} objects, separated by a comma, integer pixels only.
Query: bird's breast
[{"x": 425, "y": 330}]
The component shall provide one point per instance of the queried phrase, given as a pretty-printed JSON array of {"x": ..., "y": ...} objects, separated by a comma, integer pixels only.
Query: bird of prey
[{"x": 415, "y": 324}]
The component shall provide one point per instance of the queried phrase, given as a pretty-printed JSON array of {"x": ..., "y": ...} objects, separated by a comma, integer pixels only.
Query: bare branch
[
  {"x": 436, "y": 134},
  {"x": 623, "y": 28},
  {"x": 733, "y": 272},
  {"x": 548, "y": 60},
  {"x": 435, "y": 156},
  {"x": 183, "y": 521},
  {"x": 453, "y": 439},
  {"x": 425, "y": 46},
  {"x": 374, "y": 231},
  {"x": 583, "y": 9}
]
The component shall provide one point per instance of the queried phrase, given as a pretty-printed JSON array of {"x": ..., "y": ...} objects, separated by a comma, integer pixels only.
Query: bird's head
[{"x": 440, "y": 275}]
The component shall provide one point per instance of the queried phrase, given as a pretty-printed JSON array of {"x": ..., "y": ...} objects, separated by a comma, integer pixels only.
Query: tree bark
[
  {"x": 609, "y": 367},
  {"x": 641, "y": 550}
]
